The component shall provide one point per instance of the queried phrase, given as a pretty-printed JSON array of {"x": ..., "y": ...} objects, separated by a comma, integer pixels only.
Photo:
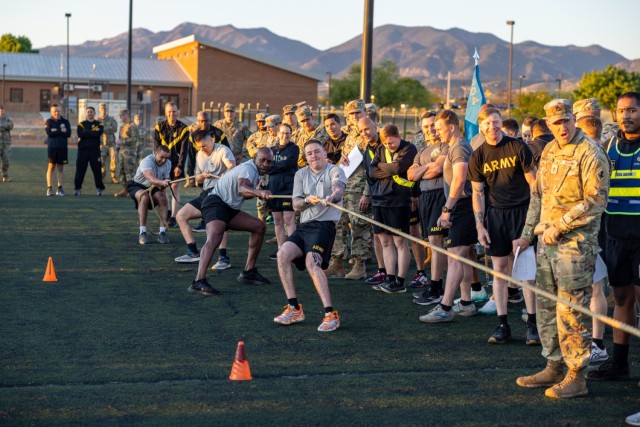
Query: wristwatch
[{"x": 446, "y": 209}]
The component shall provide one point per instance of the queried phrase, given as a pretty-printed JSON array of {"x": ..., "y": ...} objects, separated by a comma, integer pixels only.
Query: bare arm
[
  {"x": 148, "y": 174},
  {"x": 478, "y": 199},
  {"x": 247, "y": 191}
]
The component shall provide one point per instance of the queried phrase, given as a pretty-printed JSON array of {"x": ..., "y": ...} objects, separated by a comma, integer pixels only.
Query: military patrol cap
[
  {"x": 289, "y": 109},
  {"x": 558, "y": 109},
  {"x": 260, "y": 117},
  {"x": 229, "y": 107},
  {"x": 303, "y": 112},
  {"x": 355, "y": 106},
  {"x": 124, "y": 111},
  {"x": 370, "y": 108},
  {"x": 586, "y": 107},
  {"x": 301, "y": 104},
  {"x": 273, "y": 120}
]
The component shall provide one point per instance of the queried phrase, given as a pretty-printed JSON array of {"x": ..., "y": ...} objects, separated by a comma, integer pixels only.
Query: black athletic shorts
[
  {"x": 463, "y": 232},
  {"x": 280, "y": 205},
  {"x": 314, "y": 236},
  {"x": 391, "y": 217},
  {"x": 214, "y": 209},
  {"x": 431, "y": 203},
  {"x": 133, "y": 187},
  {"x": 197, "y": 202},
  {"x": 58, "y": 156},
  {"x": 504, "y": 226},
  {"x": 414, "y": 217},
  {"x": 623, "y": 262}
]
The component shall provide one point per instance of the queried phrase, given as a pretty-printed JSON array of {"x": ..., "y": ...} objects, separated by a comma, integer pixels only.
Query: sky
[{"x": 323, "y": 24}]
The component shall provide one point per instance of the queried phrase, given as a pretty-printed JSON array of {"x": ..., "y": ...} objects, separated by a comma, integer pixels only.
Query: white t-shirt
[
  {"x": 227, "y": 186},
  {"x": 213, "y": 164},
  {"x": 307, "y": 183},
  {"x": 159, "y": 172}
]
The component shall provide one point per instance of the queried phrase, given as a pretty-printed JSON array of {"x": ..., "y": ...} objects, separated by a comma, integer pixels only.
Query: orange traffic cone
[
  {"x": 50, "y": 273},
  {"x": 240, "y": 370}
]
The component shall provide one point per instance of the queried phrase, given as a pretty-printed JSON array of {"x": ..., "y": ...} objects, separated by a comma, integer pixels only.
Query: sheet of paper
[
  {"x": 601, "y": 270},
  {"x": 524, "y": 264},
  {"x": 355, "y": 158}
]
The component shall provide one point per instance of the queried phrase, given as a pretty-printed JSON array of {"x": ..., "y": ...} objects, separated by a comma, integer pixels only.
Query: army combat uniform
[
  {"x": 236, "y": 132},
  {"x": 108, "y": 146},
  {"x": 127, "y": 156},
  {"x": 5, "y": 145}
]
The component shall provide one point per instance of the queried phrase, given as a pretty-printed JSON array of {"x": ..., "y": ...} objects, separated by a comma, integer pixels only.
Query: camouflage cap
[
  {"x": 273, "y": 120},
  {"x": 558, "y": 109},
  {"x": 370, "y": 108},
  {"x": 124, "y": 111},
  {"x": 229, "y": 107},
  {"x": 301, "y": 104},
  {"x": 355, "y": 106},
  {"x": 586, "y": 107},
  {"x": 260, "y": 117},
  {"x": 303, "y": 112},
  {"x": 289, "y": 109}
]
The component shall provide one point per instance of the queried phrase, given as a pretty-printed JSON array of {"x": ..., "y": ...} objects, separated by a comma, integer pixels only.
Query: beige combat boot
[
  {"x": 123, "y": 192},
  {"x": 549, "y": 376},
  {"x": 335, "y": 269},
  {"x": 574, "y": 384},
  {"x": 358, "y": 271}
]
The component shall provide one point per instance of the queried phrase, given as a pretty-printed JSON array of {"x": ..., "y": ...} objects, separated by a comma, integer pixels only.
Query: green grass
[{"x": 118, "y": 340}]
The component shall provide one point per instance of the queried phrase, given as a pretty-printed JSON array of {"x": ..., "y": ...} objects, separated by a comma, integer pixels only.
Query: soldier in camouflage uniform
[
  {"x": 566, "y": 204},
  {"x": 289, "y": 117},
  {"x": 356, "y": 192},
  {"x": 309, "y": 129},
  {"x": 142, "y": 138},
  {"x": 260, "y": 138},
  {"x": 108, "y": 142},
  {"x": 236, "y": 131},
  {"x": 5, "y": 144},
  {"x": 128, "y": 142}
]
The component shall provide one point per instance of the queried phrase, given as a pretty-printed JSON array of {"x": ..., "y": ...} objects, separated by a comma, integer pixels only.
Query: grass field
[{"x": 118, "y": 340}]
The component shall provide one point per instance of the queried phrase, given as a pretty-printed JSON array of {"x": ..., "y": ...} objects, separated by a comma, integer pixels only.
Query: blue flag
[{"x": 474, "y": 102}]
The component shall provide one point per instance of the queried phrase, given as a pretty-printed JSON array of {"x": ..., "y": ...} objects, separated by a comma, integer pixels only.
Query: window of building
[{"x": 15, "y": 95}]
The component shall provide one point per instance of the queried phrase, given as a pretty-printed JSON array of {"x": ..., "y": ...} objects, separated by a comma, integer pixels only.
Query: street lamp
[
  {"x": 3, "y": 68},
  {"x": 511, "y": 23},
  {"x": 559, "y": 81},
  {"x": 522, "y": 77},
  {"x": 328, "y": 88},
  {"x": 66, "y": 92}
]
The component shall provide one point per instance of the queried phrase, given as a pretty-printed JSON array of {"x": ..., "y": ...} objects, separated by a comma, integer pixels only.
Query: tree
[
  {"x": 607, "y": 86},
  {"x": 389, "y": 89},
  {"x": 11, "y": 43},
  {"x": 532, "y": 103}
]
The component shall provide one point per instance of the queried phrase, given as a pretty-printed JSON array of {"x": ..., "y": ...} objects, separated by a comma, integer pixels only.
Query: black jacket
[
  {"x": 283, "y": 168},
  {"x": 385, "y": 192},
  {"x": 89, "y": 134},
  {"x": 56, "y": 137}
]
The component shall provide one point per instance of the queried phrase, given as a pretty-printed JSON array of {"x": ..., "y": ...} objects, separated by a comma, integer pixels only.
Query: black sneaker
[
  {"x": 609, "y": 372},
  {"x": 392, "y": 288},
  {"x": 274, "y": 255},
  {"x": 430, "y": 296},
  {"x": 252, "y": 277},
  {"x": 532, "y": 334},
  {"x": 202, "y": 287},
  {"x": 201, "y": 228},
  {"x": 500, "y": 335},
  {"x": 515, "y": 298},
  {"x": 172, "y": 222}
]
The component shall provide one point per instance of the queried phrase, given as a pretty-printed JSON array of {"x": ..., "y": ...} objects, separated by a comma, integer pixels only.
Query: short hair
[
  {"x": 511, "y": 125},
  {"x": 632, "y": 95},
  {"x": 88, "y": 108},
  {"x": 484, "y": 113},
  {"x": 449, "y": 118},
  {"x": 203, "y": 114},
  {"x": 163, "y": 148},
  {"x": 313, "y": 141},
  {"x": 171, "y": 104},
  {"x": 591, "y": 126},
  {"x": 528, "y": 121},
  {"x": 54, "y": 105},
  {"x": 390, "y": 130},
  {"x": 539, "y": 127},
  {"x": 427, "y": 115},
  {"x": 332, "y": 116},
  {"x": 287, "y": 125},
  {"x": 199, "y": 134}
]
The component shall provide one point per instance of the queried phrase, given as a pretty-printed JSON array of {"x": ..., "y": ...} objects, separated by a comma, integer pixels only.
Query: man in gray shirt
[
  {"x": 221, "y": 212},
  {"x": 310, "y": 245}
]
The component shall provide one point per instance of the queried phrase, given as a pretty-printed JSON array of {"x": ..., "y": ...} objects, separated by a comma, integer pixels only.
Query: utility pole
[
  {"x": 367, "y": 43},
  {"x": 129, "y": 56},
  {"x": 66, "y": 92},
  {"x": 511, "y": 23}
]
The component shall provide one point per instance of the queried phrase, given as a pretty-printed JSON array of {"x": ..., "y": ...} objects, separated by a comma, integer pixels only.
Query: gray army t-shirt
[
  {"x": 459, "y": 151},
  {"x": 159, "y": 172},
  {"x": 227, "y": 186},
  {"x": 307, "y": 183},
  {"x": 213, "y": 164}
]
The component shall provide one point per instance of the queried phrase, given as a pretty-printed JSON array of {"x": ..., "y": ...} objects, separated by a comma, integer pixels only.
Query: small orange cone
[
  {"x": 240, "y": 370},
  {"x": 50, "y": 273}
]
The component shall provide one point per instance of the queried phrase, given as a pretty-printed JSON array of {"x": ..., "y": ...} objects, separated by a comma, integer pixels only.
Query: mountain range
[{"x": 424, "y": 53}]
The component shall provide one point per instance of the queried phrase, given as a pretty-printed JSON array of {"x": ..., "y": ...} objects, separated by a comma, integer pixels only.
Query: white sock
[
  {"x": 143, "y": 229},
  {"x": 163, "y": 229}
]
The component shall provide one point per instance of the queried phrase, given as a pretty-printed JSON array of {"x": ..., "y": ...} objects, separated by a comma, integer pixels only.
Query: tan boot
[
  {"x": 335, "y": 269},
  {"x": 114, "y": 180},
  {"x": 123, "y": 192},
  {"x": 574, "y": 384},
  {"x": 358, "y": 271},
  {"x": 549, "y": 376}
]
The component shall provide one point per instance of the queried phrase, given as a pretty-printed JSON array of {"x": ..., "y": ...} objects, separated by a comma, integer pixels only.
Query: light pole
[
  {"x": 559, "y": 85},
  {"x": 522, "y": 77},
  {"x": 328, "y": 88},
  {"x": 511, "y": 23},
  {"x": 66, "y": 92},
  {"x": 3, "y": 68}
]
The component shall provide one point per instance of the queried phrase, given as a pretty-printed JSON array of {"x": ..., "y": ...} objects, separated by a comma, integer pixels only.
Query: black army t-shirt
[{"x": 502, "y": 168}]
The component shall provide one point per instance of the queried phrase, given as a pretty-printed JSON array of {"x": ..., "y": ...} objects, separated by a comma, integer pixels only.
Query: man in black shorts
[
  {"x": 221, "y": 212},
  {"x": 457, "y": 216},
  {"x": 58, "y": 132},
  {"x": 427, "y": 170},
  {"x": 622, "y": 222},
  {"x": 503, "y": 166},
  {"x": 153, "y": 171},
  {"x": 310, "y": 244}
]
